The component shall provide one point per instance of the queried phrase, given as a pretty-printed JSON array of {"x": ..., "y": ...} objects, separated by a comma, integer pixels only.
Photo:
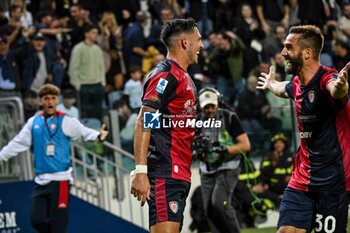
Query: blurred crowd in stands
[{"x": 100, "y": 51}]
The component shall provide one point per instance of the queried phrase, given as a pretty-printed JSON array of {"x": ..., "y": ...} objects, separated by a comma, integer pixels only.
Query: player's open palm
[
  {"x": 140, "y": 187},
  {"x": 266, "y": 79},
  {"x": 342, "y": 76}
]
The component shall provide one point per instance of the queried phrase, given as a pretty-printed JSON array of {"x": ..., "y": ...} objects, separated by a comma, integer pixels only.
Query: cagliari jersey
[
  {"x": 170, "y": 90},
  {"x": 322, "y": 162}
]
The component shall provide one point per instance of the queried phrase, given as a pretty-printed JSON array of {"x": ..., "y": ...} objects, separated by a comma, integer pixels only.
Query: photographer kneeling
[{"x": 218, "y": 150}]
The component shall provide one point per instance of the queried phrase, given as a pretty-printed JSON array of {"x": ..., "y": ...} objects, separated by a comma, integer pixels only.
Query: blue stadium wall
[{"x": 83, "y": 217}]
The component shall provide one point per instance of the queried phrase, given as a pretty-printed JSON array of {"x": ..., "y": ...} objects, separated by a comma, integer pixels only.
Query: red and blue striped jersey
[
  {"x": 170, "y": 90},
  {"x": 322, "y": 162}
]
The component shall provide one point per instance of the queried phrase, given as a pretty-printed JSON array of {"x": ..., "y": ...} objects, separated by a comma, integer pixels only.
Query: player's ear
[
  {"x": 184, "y": 42},
  {"x": 307, "y": 53}
]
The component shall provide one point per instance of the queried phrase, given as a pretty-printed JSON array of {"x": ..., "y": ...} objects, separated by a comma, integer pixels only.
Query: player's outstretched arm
[
  {"x": 340, "y": 87},
  {"x": 268, "y": 82}
]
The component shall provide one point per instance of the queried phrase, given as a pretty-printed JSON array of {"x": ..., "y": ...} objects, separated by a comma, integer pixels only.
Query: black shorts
[
  {"x": 324, "y": 212},
  {"x": 167, "y": 200}
]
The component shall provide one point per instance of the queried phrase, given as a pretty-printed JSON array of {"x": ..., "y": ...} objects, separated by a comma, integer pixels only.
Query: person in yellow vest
[{"x": 275, "y": 170}]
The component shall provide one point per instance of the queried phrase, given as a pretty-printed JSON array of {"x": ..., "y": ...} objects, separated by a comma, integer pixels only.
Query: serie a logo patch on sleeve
[{"x": 162, "y": 83}]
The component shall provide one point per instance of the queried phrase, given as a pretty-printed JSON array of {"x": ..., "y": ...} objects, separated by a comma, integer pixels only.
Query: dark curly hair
[{"x": 174, "y": 28}]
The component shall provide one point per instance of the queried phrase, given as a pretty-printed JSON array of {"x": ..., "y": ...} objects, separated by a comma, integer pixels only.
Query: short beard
[
  {"x": 192, "y": 59},
  {"x": 297, "y": 64}
]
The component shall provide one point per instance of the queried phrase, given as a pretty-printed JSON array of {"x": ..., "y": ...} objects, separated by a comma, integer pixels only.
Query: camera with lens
[
  {"x": 201, "y": 146},
  {"x": 208, "y": 150}
]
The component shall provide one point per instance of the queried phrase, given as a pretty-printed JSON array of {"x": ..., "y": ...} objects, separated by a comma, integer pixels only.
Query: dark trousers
[
  {"x": 217, "y": 190},
  {"x": 49, "y": 207},
  {"x": 91, "y": 100}
]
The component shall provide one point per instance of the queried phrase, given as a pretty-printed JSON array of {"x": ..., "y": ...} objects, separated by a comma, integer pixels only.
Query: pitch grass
[
  {"x": 255, "y": 230},
  {"x": 273, "y": 230}
]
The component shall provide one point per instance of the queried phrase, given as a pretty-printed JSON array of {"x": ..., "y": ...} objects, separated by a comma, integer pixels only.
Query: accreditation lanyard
[{"x": 50, "y": 147}]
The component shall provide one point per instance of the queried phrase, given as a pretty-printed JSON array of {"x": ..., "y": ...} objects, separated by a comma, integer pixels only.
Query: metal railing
[
  {"x": 11, "y": 120},
  {"x": 102, "y": 182}
]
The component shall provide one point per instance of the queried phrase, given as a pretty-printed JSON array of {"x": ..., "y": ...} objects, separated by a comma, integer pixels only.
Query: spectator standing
[
  {"x": 39, "y": 65},
  {"x": 13, "y": 28},
  {"x": 77, "y": 23},
  {"x": 133, "y": 89},
  {"x": 226, "y": 65},
  {"x": 111, "y": 41},
  {"x": 26, "y": 17},
  {"x": 10, "y": 82},
  {"x": 87, "y": 74},
  {"x": 247, "y": 27},
  {"x": 134, "y": 45}
]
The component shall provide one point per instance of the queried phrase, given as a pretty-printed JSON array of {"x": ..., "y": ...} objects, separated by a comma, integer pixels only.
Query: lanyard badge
[{"x": 50, "y": 147}]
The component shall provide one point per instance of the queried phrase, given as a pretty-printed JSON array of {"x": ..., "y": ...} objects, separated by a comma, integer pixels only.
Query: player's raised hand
[
  {"x": 342, "y": 77},
  {"x": 266, "y": 79}
]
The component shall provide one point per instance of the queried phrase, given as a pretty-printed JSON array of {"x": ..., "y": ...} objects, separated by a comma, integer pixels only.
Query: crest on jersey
[
  {"x": 311, "y": 96},
  {"x": 174, "y": 206}
]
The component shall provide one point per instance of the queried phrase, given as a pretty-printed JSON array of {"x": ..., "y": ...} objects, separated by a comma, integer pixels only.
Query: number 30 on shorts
[{"x": 326, "y": 224}]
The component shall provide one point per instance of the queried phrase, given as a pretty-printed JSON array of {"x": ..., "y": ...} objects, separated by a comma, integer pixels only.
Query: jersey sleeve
[
  {"x": 326, "y": 79},
  {"x": 159, "y": 90}
]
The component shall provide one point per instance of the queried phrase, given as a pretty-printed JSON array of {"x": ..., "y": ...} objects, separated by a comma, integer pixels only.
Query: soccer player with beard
[{"x": 316, "y": 194}]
